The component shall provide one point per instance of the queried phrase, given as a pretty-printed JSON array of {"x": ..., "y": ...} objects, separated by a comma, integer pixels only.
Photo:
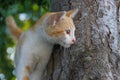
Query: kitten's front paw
[{"x": 26, "y": 78}]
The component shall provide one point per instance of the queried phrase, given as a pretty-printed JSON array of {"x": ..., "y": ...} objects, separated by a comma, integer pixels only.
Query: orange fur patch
[
  {"x": 27, "y": 68},
  {"x": 60, "y": 27},
  {"x": 57, "y": 33},
  {"x": 14, "y": 29},
  {"x": 26, "y": 78}
]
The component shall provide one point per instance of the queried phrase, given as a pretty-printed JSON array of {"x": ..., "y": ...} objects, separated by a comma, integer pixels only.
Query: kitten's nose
[{"x": 73, "y": 41}]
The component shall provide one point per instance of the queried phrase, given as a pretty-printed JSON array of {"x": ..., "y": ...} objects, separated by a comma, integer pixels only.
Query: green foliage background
[{"x": 33, "y": 9}]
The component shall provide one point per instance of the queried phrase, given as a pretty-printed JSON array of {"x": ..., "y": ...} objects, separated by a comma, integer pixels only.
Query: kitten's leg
[
  {"x": 39, "y": 69},
  {"x": 22, "y": 71},
  {"x": 36, "y": 74},
  {"x": 24, "y": 68}
]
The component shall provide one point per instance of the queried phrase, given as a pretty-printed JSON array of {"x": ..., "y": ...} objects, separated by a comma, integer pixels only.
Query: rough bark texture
[{"x": 97, "y": 53}]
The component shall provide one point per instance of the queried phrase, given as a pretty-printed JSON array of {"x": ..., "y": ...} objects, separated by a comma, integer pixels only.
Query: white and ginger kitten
[{"x": 35, "y": 45}]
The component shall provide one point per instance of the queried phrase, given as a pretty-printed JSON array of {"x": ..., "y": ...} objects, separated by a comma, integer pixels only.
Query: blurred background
[{"x": 25, "y": 13}]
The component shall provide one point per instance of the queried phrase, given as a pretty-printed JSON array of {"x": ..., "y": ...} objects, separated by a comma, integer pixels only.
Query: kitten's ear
[
  {"x": 72, "y": 13},
  {"x": 57, "y": 17},
  {"x": 60, "y": 15}
]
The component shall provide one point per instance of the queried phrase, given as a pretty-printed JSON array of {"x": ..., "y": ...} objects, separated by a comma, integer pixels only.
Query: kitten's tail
[{"x": 14, "y": 29}]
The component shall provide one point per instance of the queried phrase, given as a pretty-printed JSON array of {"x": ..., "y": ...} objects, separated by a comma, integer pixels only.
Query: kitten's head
[{"x": 61, "y": 28}]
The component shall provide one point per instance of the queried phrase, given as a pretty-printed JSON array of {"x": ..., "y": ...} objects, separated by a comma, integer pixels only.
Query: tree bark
[{"x": 96, "y": 56}]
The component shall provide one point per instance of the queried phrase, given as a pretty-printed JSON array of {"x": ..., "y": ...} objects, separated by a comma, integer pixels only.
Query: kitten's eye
[{"x": 67, "y": 31}]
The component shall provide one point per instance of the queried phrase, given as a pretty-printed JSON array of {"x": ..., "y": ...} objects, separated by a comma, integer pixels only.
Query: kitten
[{"x": 35, "y": 45}]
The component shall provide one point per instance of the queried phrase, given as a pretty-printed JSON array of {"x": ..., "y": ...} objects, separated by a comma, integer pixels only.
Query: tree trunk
[{"x": 97, "y": 53}]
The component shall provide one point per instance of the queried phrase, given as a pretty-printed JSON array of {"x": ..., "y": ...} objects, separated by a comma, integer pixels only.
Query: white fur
[{"x": 35, "y": 52}]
